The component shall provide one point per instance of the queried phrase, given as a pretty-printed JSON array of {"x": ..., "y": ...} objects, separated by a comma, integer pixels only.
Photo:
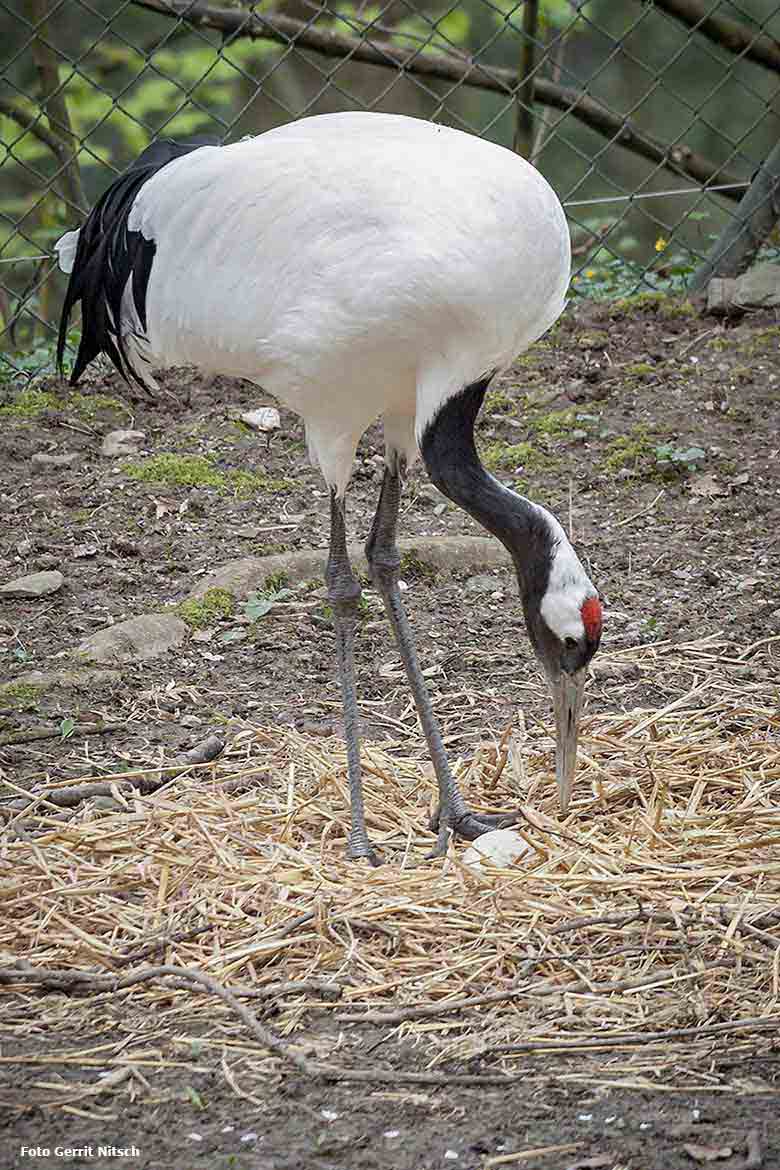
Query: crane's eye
[{"x": 570, "y": 642}]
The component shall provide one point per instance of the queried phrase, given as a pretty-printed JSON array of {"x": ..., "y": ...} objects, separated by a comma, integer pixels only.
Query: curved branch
[
  {"x": 32, "y": 124},
  {"x": 286, "y": 30},
  {"x": 730, "y": 34},
  {"x": 53, "y": 103}
]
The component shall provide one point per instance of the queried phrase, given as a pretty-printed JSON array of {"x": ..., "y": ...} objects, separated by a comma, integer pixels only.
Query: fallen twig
[
  {"x": 611, "y": 1040},
  {"x": 581, "y": 985},
  {"x": 526, "y": 1155},
  {"x": 56, "y": 732},
  {"x": 144, "y": 784},
  {"x": 62, "y": 980},
  {"x": 684, "y": 917},
  {"x": 160, "y": 944}
]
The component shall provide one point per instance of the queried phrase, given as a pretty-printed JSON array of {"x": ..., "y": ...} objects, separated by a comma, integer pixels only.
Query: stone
[
  {"x": 35, "y": 585},
  {"x": 121, "y": 443},
  {"x": 499, "y": 847},
  {"x": 483, "y": 583},
  {"x": 613, "y": 670},
  {"x": 265, "y": 419},
  {"x": 69, "y": 677},
  {"x": 759, "y": 287},
  {"x": 53, "y": 462},
  {"x": 720, "y": 294},
  {"x": 461, "y": 554},
  {"x": 138, "y": 638}
]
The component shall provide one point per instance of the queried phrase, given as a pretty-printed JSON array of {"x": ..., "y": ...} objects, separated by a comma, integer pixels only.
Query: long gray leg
[
  {"x": 344, "y": 596},
  {"x": 384, "y": 561}
]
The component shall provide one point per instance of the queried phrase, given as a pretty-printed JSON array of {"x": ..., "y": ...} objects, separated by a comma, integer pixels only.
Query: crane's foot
[
  {"x": 468, "y": 825},
  {"x": 360, "y": 849}
]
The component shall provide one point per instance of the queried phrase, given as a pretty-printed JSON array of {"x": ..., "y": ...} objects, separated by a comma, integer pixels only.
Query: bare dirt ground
[{"x": 654, "y": 434}]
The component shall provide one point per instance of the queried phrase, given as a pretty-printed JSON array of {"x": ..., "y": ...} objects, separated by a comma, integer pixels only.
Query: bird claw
[
  {"x": 363, "y": 850},
  {"x": 469, "y": 826}
]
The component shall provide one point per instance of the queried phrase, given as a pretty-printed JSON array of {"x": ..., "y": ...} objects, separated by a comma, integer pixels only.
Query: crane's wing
[{"x": 109, "y": 268}]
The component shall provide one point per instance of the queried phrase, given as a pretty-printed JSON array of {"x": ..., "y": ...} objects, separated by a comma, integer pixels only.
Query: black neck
[{"x": 453, "y": 465}]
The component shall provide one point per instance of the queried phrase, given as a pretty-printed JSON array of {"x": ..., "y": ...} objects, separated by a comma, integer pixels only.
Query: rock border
[{"x": 152, "y": 634}]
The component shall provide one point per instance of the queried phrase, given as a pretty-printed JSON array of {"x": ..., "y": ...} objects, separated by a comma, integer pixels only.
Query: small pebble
[
  {"x": 228, "y": 1128},
  {"x": 249, "y": 1137},
  {"x": 451, "y": 1155},
  {"x": 121, "y": 442},
  {"x": 584, "y": 1117},
  {"x": 391, "y": 1133},
  {"x": 329, "y": 1115},
  {"x": 194, "y": 1137},
  {"x": 265, "y": 419}
]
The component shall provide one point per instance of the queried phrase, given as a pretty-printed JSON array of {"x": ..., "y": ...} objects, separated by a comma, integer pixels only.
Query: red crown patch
[{"x": 592, "y": 617}]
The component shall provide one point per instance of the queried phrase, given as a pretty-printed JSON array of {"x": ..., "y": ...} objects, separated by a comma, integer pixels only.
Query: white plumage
[
  {"x": 355, "y": 266},
  {"x": 346, "y": 244}
]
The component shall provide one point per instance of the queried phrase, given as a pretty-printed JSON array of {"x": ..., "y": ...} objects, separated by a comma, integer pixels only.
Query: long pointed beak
[{"x": 567, "y": 691}]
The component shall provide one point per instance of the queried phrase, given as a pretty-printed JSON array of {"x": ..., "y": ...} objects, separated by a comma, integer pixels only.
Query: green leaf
[
  {"x": 231, "y": 636},
  {"x": 194, "y": 1097},
  {"x": 259, "y": 604},
  {"x": 256, "y": 606},
  {"x": 67, "y": 727}
]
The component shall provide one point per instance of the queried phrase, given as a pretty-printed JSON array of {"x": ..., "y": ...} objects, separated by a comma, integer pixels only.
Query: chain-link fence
[{"x": 650, "y": 117}]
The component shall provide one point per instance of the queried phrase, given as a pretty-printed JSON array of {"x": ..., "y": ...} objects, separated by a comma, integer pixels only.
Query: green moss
[
  {"x": 213, "y": 606},
  {"x": 665, "y": 306},
  {"x": 271, "y": 550},
  {"x": 29, "y": 403},
  {"x": 32, "y": 401},
  {"x": 528, "y": 360},
  {"x": 19, "y": 695},
  {"x": 771, "y": 333},
  {"x": 498, "y": 402},
  {"x": 638, "y": 369},
  {"x": 200, "y": 471},
  {"x": 275, "y": 582},
  {"x": 413, "y": 565},
  {"x": 246, "y": 483},
  {"x": 556, "y": 422},
  {"x": 759, "y": 340},
  {"x": 181, "y": 470},
  {"x": 506, "y": 456},
  {"x": 91, "y": 405},
  {"x": 595, "y": 339},
  {"x": 628, "y": 450}
]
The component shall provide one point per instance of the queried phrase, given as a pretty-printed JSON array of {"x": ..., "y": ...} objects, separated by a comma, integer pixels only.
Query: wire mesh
[{"x": 649, "y": 117}]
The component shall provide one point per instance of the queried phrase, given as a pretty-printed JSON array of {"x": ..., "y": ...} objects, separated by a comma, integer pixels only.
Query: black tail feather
[{"x": 107, "y": 257}]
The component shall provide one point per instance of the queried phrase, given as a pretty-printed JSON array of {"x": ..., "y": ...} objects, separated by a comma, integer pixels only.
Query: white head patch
[{"x": 568, "y": 589}]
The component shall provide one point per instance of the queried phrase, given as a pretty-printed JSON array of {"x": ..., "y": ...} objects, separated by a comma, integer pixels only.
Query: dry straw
[{"x": 637, "y": 943}]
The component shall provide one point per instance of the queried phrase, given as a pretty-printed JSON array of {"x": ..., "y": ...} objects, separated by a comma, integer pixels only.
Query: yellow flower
[
  {"x": 660, "y": 244},
  {"x": 590, "y": 273}
]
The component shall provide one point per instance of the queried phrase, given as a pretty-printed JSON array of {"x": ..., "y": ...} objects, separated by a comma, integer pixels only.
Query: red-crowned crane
[{"x": 356, "y": 265}]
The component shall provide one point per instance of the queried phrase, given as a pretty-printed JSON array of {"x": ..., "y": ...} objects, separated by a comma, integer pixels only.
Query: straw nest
[{"x": 640, "y": 936}]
